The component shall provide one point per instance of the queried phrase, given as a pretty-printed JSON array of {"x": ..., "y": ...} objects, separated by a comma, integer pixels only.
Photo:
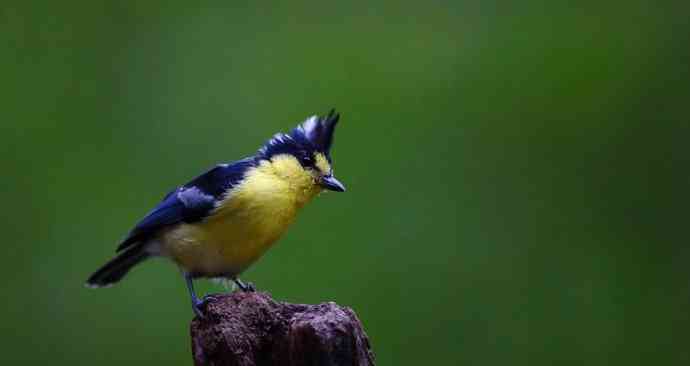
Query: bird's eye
[{"x": 306, "y": 159}]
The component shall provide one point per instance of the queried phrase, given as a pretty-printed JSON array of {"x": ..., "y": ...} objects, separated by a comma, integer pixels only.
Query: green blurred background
[{"x": 517, "y": 173}]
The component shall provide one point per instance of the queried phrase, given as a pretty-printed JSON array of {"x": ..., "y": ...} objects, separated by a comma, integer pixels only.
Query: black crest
[
  {"x": 313, "y": 135},
  {"x": 319, "y": 130}
]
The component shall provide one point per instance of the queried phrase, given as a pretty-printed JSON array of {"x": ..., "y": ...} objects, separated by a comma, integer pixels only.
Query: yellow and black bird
[{"x": 222, "y": 221}]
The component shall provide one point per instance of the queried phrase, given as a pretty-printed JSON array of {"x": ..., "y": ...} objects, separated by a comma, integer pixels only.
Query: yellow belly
[
  {"x": 243, "y": 226},
  {"x": 224, "y": 245}
]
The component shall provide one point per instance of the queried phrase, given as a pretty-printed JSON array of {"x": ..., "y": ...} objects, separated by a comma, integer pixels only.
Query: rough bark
[{"x": 250, "y": 328}]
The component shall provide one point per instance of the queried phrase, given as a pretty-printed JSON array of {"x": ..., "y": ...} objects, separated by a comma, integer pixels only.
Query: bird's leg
[
  {"x": 246, "y": 287},
  {"x": 196, "y": 303}
]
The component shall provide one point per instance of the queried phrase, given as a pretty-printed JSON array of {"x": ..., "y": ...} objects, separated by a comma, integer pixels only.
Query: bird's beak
[{"x": 330, "y": 183}]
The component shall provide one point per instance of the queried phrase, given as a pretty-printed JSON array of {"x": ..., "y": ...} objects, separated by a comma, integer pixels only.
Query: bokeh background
[{"x": 517, "y": 173}]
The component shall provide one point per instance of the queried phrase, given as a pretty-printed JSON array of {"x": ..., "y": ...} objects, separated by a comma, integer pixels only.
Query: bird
[{"x": 224, "y": 220}]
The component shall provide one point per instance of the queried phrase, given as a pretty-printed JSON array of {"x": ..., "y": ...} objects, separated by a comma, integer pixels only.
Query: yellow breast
[{"x": 252, "y": 217}]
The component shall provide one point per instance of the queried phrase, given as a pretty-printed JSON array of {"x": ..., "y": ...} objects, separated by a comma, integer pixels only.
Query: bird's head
[{"x": 303, "y": 156}]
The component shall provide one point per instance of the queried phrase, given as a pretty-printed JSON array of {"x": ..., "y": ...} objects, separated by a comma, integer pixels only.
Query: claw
[
  {"x": 208, "y": 298},
  {"x": 199, "y": 304}
]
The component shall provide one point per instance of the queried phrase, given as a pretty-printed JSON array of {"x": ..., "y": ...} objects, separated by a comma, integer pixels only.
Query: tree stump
[{"x": 252, "y": 329}]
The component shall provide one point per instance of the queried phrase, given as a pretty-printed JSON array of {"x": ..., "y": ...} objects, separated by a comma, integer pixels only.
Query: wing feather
[{"x": 189, "y": 203}]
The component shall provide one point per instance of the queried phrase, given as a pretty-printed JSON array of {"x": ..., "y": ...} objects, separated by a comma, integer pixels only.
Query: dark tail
[{"x": 116, "y": 268}]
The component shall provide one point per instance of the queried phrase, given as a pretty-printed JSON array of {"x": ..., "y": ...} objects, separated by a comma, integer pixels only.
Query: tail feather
[{"x": 116, "y": 268}]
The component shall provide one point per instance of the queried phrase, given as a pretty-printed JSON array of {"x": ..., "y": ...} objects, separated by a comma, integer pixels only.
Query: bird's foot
[
  {"x": 246, "y": 287},
  {"x": 199, "y": 304}
]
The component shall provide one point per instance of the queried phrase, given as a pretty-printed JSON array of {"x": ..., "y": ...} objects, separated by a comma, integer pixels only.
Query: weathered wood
[{"x": 252, "y": 329}]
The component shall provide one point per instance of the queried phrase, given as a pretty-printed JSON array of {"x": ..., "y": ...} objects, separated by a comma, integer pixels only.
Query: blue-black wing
[{"x": 189, "y": 203}]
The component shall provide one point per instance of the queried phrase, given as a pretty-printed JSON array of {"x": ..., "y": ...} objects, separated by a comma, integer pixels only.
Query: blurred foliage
[{"x": 515, "y": 172}]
